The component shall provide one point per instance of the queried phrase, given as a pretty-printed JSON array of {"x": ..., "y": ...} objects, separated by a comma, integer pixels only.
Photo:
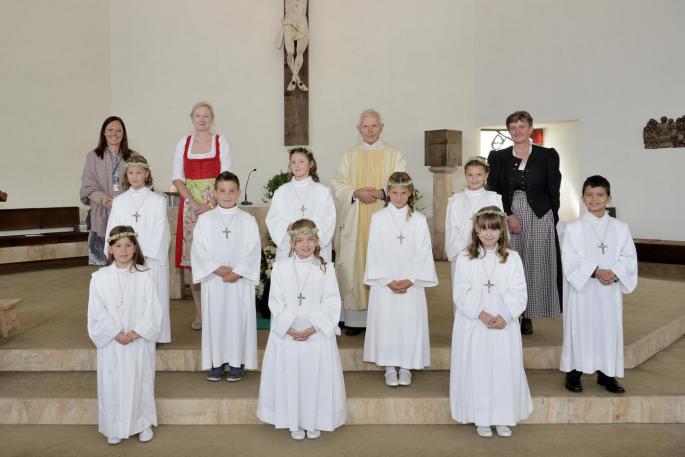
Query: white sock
[{"x": 389, "y": 369}]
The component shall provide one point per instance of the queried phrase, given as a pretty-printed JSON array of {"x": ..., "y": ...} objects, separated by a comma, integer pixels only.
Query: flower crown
[
  {"x": 483, "y": 212},
  {"x": 136, "y": 164},
  {"x": 303, "y": 231},
  {"x": 400, "y": 184},
  {"x": 120, "y": 235},
  {"x": 479, "y": 159}
]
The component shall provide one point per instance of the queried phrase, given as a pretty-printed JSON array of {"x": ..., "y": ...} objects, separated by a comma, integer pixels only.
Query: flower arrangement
[{"x": 274, "y": 183}]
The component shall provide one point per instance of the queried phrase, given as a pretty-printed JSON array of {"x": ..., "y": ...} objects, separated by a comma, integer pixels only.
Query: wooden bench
[
  {"x": 8, "y": 315},
  {"x": 36, "y": 237},
  {"x": 660, "y": 251}
]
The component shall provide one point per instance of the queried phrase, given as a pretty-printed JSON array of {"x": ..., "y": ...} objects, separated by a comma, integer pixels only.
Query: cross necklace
[
  {"x": 301, "y": 297},
  {"x": 227, "y": 231},
  {"x": 488, "y": 275},
  {"x": 401, "y": 236},
  {"x": 120, "y": 289},
  {"x": 302, "y": 201},
  {"x": 601, "y": 244},
  {"x": 135, "y": 214}
]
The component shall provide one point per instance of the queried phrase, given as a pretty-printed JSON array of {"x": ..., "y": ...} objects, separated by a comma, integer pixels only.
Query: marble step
[
  {"x": 655, "y": 394},
  {"x": 170, "y": 358}
]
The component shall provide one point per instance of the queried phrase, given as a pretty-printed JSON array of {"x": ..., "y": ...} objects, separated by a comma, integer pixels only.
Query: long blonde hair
[
  {"x": 489, "y": 217},
  {"x": 303, "y": 227}
]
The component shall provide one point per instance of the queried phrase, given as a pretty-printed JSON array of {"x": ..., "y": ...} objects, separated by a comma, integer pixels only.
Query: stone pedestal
[
  {"x": 443, "y": 183},
  {"x": 443, "y": 156},
  {"x": 176, "y": 276}
]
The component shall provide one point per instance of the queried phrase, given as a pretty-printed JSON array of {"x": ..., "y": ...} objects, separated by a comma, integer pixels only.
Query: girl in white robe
[
  {"x": 145, "y": 211},
  {"x": 226, "y": 255},
  {"x": 463, "y": 205},
  {"x": 124, "y": 321},
  {"x": 302, "y": 386},
  {"x": 399, "y": 265},
  {"x": 301, "y": 198},
  {"x": 488, "y": 384},
  {"x": 594, "y": 245}
]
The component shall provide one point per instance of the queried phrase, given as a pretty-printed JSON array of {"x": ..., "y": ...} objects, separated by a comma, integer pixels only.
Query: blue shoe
[
  {"x": 216, "y": 374},
  {"x": 234, "y": 374}
]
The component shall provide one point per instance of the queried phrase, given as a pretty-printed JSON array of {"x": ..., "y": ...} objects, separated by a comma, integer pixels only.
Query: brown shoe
[{"x": 526, "y": 326}]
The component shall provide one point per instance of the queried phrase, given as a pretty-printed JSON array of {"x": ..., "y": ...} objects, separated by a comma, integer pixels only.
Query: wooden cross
[
  {"x": 303, "y": 209},
  {"x": 136, "y": 215},
  {"x": 301, "y": 297},
  {"x": 401, "y": 238},
  {"x": 226, "y": 231},
  {"x": 295, "y": 98},
  {"x": 488, "y": 285},
  {"x": 602, "y": 246}
]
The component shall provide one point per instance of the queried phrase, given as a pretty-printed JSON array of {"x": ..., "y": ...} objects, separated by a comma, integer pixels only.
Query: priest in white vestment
[
  {"x": 358, "y": 191},
  {"x": 146, "y": 211},
  {"x": 227, "y": 237},
  {"x": 122, "y": 300},
  {"x": 593, "y": 314},
  {"x": 301, "y": 198},
  {"x": 399, "y": 249},
  {"x": 302, "y": 386}
]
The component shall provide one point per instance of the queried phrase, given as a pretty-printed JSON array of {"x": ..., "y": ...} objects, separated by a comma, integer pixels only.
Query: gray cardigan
[{"x": 96, "y": 187}]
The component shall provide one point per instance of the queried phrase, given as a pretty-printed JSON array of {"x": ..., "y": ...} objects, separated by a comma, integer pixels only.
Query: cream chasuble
[{"x": 362, "y": 166}]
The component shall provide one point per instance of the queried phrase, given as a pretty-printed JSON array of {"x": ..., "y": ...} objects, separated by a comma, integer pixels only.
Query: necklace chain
[
  {"x": 401, "y": 237},
  {"x": 302, "y": 202},
  {"x": 227, "y": 230},
  {"x": 602, "y": 245},
  {"x": 300, "y": 297},
  {"x": 488, "y": 275}
]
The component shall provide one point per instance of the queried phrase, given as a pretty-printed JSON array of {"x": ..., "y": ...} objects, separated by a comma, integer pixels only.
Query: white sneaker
[
  {"x": 485, "y": 432},
  {"x": 405, "y": 377},
  {"x": 113, "y": 440},
  {"x": 146, "y": 435},
  {"x": 313, "y": 434},
  {"x": 298, "y": 435},
  {"x": 503, "y": 430},
  {"x": 391, "y": 379}
]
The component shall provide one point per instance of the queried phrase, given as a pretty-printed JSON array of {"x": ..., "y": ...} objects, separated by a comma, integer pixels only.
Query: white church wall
[
  {"x": 54, "y": 95},
  {"x": 412, "y": 61},
  {"x": 611, "y": 65}
]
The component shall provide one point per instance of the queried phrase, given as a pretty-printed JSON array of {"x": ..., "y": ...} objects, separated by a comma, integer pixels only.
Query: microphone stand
[{"x": 245, "y": 202}]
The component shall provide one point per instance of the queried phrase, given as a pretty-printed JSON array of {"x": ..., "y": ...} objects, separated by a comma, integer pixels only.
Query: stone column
[{"x": 443, "y": 156}]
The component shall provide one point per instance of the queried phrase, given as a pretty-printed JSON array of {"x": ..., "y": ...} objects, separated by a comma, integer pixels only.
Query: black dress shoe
[
  {"x": 609, "y": 383},
  {"x": 573, "y": 382},
  {"x": 526, "y": 326},
  {"x": 354, "y": 331}
]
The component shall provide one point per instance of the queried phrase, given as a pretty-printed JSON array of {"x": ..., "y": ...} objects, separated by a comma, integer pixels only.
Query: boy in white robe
[
  {"x": 463, "y": 205},
  {"x": 488, "y": 384},
  {"x": 600, "y": 265},
  {"x": 301, "y": 198},
  {"x": 302, "y": 386},
  {"x": 145, "y": 211},
  {"x": 226, "y": 255},
  {"x": 399, "y": 265},
  {"x": 124, "y": 320}
]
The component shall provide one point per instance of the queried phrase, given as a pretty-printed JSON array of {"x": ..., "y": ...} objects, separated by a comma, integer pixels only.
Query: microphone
[{"x": 245, "y": 202}]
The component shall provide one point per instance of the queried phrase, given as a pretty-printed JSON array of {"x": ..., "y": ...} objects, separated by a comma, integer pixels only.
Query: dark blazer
[{"x": 543, "y": 179}]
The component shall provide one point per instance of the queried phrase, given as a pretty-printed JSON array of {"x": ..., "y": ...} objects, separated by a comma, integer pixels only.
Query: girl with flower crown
[
  {"x": 463, "y": 205},
  {"x": 145, "y": 210},
  {"x": 399, "y": 265},
  {"x": 487, "y": 382},
  {"x": 302, "y": 386},
  {"x": 124, "y": 321}
]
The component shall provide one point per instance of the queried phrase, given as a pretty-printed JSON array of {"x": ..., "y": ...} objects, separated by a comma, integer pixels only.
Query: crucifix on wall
[{"x": 295, "y": 36}]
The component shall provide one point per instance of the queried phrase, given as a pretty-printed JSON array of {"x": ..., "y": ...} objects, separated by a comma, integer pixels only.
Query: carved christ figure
[{"x": 295, "y": 33}]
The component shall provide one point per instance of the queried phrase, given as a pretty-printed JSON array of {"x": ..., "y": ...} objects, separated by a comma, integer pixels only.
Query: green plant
[{"x": 274, "y": 183}]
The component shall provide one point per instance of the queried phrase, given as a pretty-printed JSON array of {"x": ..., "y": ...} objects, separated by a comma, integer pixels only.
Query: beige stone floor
[
  {"x": 53, "y": 312},
  {"x": 627, "y": 440}
]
